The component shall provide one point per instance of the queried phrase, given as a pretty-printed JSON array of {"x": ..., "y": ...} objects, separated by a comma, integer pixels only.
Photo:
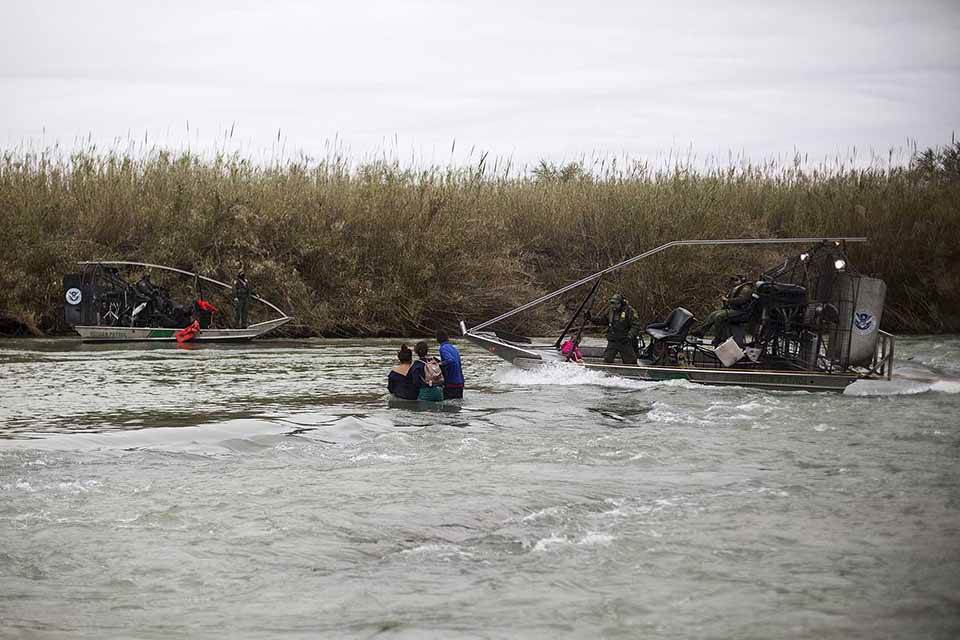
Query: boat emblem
[
  {"x": 863, "y": 322},
  {"x": 74, "y": 296}
]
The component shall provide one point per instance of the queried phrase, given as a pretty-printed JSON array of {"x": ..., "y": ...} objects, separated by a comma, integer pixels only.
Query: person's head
[
  {"x": 405, "y": 355},
  {"x": 616, "y": 301},
  {"x": 421, "y": 349},
  {"x": 738, "y": 278},
  {"x": 442, "y": 337}
]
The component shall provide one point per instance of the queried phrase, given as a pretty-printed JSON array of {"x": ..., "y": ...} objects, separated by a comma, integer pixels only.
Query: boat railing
[
  {"x": 223, "y": 285},
  {"x": 647, "y": 254},
  {"x": 882, "y": 363}
]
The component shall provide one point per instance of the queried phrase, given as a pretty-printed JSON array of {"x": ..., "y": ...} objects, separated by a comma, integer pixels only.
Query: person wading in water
[
  {"x": 399, "y": 382},
  {"x": 452, "y": 370},
  {"x": 427, "y": 375}
]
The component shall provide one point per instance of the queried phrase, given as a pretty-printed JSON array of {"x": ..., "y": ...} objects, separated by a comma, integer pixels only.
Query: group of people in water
[{"x": 427, "y": 378}]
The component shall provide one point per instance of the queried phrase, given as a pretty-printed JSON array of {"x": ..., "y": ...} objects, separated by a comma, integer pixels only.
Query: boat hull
[
  {"x": 763, "y": 379},
  {"x": 163, "y": 334},
  {"x": 535, "y": 356}
]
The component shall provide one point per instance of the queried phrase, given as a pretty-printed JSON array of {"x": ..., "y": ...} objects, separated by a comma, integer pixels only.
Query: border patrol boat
[
  {"x": 102, "y": 306},
  {"x": 812, "y": 324}
]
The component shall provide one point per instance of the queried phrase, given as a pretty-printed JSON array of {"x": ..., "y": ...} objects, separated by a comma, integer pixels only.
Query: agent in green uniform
[
  {"x": 622, "y": 330},
  {"x": 736, "y": 308},
  {"x": 242, "y": 292}
]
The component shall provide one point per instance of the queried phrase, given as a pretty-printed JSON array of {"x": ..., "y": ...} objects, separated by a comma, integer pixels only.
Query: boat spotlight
[
  {"x": 804, "y": 256},
  {"x": 839, "y": 264}
]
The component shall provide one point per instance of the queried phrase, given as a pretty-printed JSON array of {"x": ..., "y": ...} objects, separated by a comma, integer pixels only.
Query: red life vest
[
  {"x": 203, "y": 305},
  {"x": 187, "y": 333}
]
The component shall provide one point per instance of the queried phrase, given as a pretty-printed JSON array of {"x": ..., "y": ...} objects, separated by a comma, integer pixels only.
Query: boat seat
[
  {"x": 668, "y": 336},
  {"x": 674, "y": 328}
]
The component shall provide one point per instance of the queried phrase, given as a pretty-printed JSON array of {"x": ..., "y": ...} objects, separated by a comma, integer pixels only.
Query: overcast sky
[{"x": 519, "y": 79}]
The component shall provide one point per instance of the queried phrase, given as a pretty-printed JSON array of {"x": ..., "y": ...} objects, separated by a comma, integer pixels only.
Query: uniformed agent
[
  {"x": 241, "y": 298},
  {"x": 736, "y": 308},
  {"x": 623, "y": 328}
]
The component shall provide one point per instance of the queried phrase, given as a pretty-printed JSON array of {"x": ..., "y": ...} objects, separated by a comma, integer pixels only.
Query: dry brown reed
[{"x": 383, "y": 249}]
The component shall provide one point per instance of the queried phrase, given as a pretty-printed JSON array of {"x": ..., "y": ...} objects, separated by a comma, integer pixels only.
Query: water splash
[
  {"x": 566, "y": 374},
  {"x": 902, "y": 386}
]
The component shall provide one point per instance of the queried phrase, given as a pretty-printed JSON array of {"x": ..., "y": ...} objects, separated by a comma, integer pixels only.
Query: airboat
[
  {"x": 813, "y": 324},
  {"x": 104, "y": 306}
]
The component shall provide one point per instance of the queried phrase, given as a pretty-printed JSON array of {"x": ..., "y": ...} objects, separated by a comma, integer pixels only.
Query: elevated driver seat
[{"x": 669, "y": 335}]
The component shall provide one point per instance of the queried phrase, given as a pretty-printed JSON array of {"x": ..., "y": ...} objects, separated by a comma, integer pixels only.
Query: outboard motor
[{"x": 860, "y": 304}]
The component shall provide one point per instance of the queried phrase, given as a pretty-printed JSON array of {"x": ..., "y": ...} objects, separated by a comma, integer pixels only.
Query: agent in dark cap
[
  {"x": 241, "y": 298},
  {"x": 622, "y": 330}
]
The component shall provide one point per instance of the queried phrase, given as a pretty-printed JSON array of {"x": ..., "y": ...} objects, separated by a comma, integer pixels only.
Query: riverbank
[{"x": 382, "y": 250}]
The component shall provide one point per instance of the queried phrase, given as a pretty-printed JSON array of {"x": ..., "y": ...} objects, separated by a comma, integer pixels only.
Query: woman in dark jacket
[{"x": 399, "y": 382}]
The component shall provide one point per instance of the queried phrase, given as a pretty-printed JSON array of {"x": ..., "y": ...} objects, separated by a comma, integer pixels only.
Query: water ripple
[{"x": 273, "y": 490}]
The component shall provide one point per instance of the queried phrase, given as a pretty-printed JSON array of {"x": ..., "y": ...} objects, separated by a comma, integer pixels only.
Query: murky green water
[{"x": 269, "y": 490}]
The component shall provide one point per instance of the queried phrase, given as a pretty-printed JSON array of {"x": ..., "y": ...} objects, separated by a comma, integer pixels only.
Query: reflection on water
[{"x": 273, "y": 489}]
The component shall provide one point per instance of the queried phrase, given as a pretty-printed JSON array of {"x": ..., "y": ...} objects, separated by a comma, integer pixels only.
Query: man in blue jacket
[{"x": 450, "y": 364}]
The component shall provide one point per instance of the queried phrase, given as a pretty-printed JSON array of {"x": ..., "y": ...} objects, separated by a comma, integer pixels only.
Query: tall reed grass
[{"x": 382, "y": 249}]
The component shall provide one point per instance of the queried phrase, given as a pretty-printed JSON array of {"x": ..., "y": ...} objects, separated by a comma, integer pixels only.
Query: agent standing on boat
[
  {"x": 623, "y": 328},
  {"x": 452, "y": 370},
  {"x": 241, "y": 298},
  {"x": 736, "y": 308},
  {"x": 399, "y": 383}
]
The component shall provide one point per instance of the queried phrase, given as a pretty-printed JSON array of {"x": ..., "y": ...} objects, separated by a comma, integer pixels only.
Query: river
[{"x": 270, "y": 490}]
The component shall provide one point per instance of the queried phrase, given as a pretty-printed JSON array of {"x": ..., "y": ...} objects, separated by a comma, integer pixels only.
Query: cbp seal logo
[
  {"x": 864, "y": 322},
  {"x": 74, "y": 296}
]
